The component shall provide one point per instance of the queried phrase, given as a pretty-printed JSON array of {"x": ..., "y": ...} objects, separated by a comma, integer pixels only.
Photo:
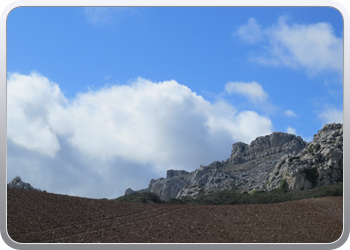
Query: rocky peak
[
  {"x": 330, "y": 132},
  {"x": 238, "y": 149},
  {"x": 172, "y": 173},
  {"x": 18, "y": 183},
  {"x": 273, "y": 140},
  {"x": 266, "y": 145}
]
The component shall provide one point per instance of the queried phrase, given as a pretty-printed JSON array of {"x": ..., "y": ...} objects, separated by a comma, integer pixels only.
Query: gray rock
[
  {"x": 193, "y": 192},
  {"x": 172, "y": 173}
]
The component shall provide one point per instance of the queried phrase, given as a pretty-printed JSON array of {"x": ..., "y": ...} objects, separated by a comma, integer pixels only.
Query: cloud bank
[{"x": 143, "y": 126}]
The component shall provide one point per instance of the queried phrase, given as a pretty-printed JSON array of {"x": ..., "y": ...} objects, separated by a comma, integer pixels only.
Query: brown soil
[{"x": 45, "y": 217}]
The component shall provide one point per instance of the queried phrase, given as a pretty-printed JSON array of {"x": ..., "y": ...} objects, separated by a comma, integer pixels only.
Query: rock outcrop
[
  {"x": 18, "y": 183},
  {"x": 320, "y": 163},
  {"x": 262, "y": 165},
  {"x": 129, "y": 191}
]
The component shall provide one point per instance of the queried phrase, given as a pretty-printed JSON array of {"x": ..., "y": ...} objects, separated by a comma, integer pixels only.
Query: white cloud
[
  {"x": 121, "y": 129},
  {"x": 313, "y": 47},
  {"x": 253, "y": 90},
  {"x": 290, "y": 113},
  {"x": 291, "y": 130},
  {"x": 102, "y": 15},
  {"x": 30, "y": 100},
  {"x": 251, "y": 32},
  {"x": 331, "y": 115}
]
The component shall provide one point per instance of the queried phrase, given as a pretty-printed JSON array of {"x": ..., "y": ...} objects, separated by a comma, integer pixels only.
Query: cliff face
[{"x": 261, "y": 166}]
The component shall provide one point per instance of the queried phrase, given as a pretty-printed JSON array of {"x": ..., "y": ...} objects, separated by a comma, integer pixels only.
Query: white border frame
[{"x": 185, "y": 3}]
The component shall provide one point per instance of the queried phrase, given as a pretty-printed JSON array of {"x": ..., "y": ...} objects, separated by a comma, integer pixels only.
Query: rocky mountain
[
  {"x": 18, "y": 183},
  {"x": 262, "y": 165}
]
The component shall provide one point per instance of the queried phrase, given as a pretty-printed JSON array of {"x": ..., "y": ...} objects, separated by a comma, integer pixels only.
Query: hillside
[{"x": 34, "y": 216}]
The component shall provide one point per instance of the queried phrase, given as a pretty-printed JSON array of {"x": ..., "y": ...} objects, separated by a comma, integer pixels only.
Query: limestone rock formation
[
  {"x": 319, "y": 163},
  {"x": 18, "y": 183},
  {"x": 262, "y": 165},
  {"x": 192, "y": 191}
]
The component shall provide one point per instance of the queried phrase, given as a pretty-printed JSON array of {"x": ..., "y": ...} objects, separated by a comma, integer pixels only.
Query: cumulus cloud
[
  {"x": 144, "y": 126},
  {"x": 290, "y": 113},
  {"x": 252, "y": 90},
  {"x": 313, "y": 47},
  {"x": 330, "y": 115},
  {"x": 291, "y": 130},
  {"x": 30, "y": 101},
  {"x": 149, "y": 122}
]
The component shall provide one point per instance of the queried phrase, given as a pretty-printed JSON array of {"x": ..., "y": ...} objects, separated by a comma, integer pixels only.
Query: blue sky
[{"x": 102, "y": 99}]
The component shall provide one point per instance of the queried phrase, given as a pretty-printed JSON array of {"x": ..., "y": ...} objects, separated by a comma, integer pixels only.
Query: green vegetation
[
  {"x": 256, "y": 192},
  {"x": 232, "y": 197},
  {"x": 284, "y": 185},
  {"x": 311, "y": 148},
  {"x": 258, "y": 197}
]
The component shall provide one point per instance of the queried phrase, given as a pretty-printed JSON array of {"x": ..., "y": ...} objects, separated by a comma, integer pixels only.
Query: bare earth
[{"x": 46, "y": 217}]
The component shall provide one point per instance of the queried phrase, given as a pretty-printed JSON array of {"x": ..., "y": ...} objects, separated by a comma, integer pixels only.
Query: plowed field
[{"x": 45, "y": 217}]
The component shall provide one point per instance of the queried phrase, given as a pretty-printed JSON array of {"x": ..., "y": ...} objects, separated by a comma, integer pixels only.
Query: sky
[{"x": 104, "y": 99}]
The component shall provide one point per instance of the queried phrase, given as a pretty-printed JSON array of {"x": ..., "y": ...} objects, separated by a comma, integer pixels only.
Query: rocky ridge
[{"x": 262, "y": 165}]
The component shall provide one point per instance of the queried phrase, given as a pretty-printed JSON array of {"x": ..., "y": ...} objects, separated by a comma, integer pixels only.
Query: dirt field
[{"x": 46, "y": 217}]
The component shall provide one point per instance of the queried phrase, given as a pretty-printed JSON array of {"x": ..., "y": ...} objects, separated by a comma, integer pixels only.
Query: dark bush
[{"x": 311, "y": 175}]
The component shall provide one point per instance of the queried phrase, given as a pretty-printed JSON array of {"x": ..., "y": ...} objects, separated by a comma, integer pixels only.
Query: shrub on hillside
[
  {"x": 140, "y": 197},
  {"x": 284, "y": 185},
  {"x": 232, "y": 197},
  {"x": 258, "y": 197}
]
